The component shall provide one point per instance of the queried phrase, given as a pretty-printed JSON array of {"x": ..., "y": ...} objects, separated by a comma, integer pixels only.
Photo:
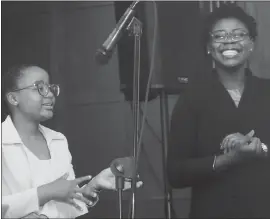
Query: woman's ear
[
  {"x": 251, "y": 46},
  {"x": 11, "y": 98},
  {"x": 208, "y": 49}
]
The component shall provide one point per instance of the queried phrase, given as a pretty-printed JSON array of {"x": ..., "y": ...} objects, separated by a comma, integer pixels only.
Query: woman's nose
[
  {"x": 50, "y": 93},
  {"x": 229, "y": 40}
]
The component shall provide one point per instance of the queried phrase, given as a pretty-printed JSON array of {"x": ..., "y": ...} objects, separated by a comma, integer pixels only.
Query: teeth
[{"x": 229, "y": 53}]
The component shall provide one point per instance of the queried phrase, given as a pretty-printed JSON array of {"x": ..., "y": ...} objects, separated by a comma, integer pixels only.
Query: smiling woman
[
  {"x": 220, "y": 127},
  {"x": 230, "y": 36}
]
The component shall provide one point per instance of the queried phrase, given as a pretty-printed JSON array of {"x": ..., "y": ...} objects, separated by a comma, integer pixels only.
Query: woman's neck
[
  {"x": 233, "y": 78},
  {"x": 24, "y": 126}
]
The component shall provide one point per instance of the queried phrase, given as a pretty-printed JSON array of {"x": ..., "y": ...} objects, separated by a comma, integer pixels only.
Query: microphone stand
[
  {"x": 135, "y": 29},
  {"x": 127, "y": 166},
  {"x": 120, "y": 186}
]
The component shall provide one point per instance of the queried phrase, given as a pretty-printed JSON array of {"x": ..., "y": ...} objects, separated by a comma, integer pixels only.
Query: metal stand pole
[
  {"x": 135, "y": 28},
  {"x": 120, "y": 186},
  {"x": 164, "y": 116}
]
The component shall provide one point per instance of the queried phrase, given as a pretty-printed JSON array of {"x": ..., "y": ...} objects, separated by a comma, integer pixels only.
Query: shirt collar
[
  {"x": 11, "y": 136},
  {"x": 9, "y": 133}
]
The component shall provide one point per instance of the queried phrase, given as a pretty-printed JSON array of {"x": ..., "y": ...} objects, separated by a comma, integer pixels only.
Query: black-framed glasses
[
  {"x": 221, "y": 36},
  {"x": 43, "y": 88}
]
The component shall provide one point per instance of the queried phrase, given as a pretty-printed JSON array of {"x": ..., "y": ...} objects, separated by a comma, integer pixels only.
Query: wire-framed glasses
[
  {"x": 221, "y": 36},
  {"x": 43, "y": 88}
]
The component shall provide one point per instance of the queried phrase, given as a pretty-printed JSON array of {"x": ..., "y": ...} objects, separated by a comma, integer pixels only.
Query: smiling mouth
[{"x": 230, "y": 53}]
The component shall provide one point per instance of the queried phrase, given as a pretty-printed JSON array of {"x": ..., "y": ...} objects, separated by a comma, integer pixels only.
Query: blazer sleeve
[
  {"x": 183, "y": 167},
  {"x": 20, "y": 204}
]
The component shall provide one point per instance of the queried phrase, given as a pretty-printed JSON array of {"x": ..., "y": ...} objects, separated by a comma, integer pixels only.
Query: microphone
[
  {"x": 104, "y": 53},
  {"x": 122, "y": 168}
]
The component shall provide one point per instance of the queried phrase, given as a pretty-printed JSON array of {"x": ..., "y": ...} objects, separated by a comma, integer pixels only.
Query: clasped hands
[
  {"x": 245, "y": 144},
  {"x": 68, "y": 190}
]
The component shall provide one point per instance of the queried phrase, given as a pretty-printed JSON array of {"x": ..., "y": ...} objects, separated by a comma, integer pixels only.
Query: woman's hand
[
  {"x": 106, "y": 180},
  {"x": 235, "y": 141},
  {"x": 254, "y": 149},
  {"x": 246, "y": 145},
  {"x": 64, "y": 190},
  {"x": 242, "y": 153}
]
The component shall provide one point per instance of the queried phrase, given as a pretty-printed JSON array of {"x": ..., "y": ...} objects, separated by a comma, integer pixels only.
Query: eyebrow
[
  {"x": 232, "y": 29},
  {"x": 39, "y": 81}
]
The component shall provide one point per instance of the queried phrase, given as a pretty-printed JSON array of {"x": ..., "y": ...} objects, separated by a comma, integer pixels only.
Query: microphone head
[
  {"x": 123, "y": 167},
  {"x": 102, "y": 56}
]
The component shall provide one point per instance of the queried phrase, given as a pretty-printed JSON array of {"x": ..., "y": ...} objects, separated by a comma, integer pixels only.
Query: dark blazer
[{"x": 202, "y": 117}]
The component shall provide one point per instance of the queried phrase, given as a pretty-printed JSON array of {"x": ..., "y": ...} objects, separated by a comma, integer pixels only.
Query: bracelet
[
  {"x": 214, "y": 163},
  {"x": 264, "y": 147}
]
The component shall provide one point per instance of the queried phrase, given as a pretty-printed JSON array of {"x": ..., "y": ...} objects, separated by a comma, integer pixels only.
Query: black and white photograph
[{"x": 135, "y": 109}]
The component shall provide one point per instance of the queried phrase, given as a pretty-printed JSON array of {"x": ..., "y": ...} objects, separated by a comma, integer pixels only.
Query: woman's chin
[
  {"x": 46, "y": 116},
  {"x": 230, "y": 64}
]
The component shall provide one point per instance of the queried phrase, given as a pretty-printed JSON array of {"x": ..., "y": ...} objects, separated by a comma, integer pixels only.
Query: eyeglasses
[
  {"x": 43, "y": 89},
  {"x": 221, "y": 36}
]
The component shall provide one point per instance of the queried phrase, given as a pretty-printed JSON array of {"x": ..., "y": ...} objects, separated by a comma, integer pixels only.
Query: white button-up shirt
[{"x": 23, "y": 173}]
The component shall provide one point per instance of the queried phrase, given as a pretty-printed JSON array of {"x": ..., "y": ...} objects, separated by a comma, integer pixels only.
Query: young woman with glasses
[
  {"x": 220, "y": 127},
  {"x": 38, "y": 179}
]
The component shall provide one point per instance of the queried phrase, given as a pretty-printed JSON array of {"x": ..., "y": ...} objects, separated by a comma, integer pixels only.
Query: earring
[{"x": 208, "y": 52}]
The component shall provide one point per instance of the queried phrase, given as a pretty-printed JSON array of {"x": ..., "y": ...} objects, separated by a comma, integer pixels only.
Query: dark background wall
[{"x": 62, "y": 37}]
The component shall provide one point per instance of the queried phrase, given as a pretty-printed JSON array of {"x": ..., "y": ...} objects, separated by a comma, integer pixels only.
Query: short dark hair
[
  {"x": 11, "y": 76},
  {"x": 9, "y": 83},
  {"x": 229, "y": 11}
]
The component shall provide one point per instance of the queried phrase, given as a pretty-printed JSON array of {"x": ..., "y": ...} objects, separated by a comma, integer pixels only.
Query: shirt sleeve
[
  {"x": 20, "y": 204},
  {"x": 183, "y": 167}
]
